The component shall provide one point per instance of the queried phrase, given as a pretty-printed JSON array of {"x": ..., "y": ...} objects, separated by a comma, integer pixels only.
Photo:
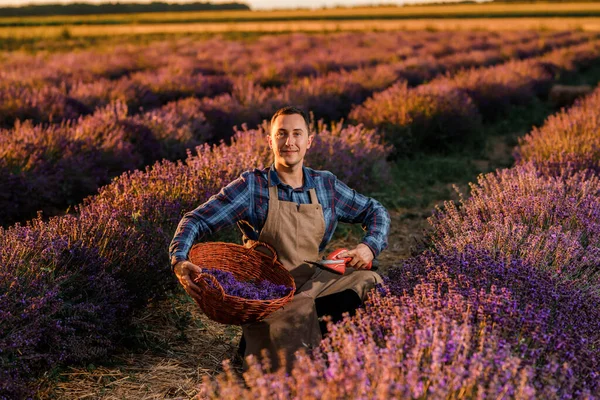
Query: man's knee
[
  {"x": 376, "y": 277},
  {"x": 371, "y": 278}
]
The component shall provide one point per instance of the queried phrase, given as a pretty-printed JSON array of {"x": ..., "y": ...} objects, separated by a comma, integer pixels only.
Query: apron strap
[
  {"x": 313, "y": 196},
  {"x": 273, "y": 195}
]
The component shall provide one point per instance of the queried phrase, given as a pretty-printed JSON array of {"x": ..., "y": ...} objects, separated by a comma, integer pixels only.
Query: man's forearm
[
  {"x": 187, "y": 232},
  {"x": 378, "y": 226}
]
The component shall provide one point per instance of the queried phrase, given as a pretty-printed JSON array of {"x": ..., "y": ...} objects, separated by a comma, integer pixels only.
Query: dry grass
[
  {"x": 171, "y": 363},
  {"x": 588, "y": 24}
]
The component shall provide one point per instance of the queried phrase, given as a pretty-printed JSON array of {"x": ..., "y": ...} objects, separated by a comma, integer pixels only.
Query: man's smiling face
[{"x": 289, "y": 140}]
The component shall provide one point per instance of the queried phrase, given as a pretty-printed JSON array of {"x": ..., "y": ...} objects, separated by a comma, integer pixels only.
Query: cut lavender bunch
[{"x": 252, "y": 290}]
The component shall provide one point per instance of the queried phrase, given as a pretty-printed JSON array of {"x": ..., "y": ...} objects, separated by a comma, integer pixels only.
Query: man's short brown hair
[{"x": 290, "y": 110}]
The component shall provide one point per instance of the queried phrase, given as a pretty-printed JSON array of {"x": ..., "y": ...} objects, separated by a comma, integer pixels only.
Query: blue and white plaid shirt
[{"x": 245, "y": 202}]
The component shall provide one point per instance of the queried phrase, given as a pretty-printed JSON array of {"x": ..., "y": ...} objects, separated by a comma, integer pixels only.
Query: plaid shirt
[{"x": 245, "y": 202}]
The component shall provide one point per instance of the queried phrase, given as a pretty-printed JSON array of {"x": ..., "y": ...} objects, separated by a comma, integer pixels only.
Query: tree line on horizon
[{"x": 32, "y": 10}]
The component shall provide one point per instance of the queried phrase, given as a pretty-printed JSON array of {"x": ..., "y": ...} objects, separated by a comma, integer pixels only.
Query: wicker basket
[{"x": 245, "y": 264}]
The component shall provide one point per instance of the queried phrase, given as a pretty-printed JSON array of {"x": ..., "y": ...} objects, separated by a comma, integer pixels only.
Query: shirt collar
[{"x": 309, "y": 182}]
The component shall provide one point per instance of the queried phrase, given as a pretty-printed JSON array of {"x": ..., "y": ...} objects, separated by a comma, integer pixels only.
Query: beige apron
[{"x": 295, "y": 232}]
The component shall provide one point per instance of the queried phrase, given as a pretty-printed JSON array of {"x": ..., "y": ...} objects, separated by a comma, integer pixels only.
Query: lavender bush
[
  {"x": 87, "y": 65},
  {"x": 58, "y": 165},
  {"x": 149, "y": 89},
  {"x": 396, "y": 347},
  {"x": 59, "y": 304},
  {"x": 569, "y": 138},
  {"x": 448, "y": 110},
  {"x": 495, "y": 89},
  {"x": 573, "y": 58},
  {"x": 552, "y": 223},
  {"x": 177, "y": 126},
  {"x": 546, "y": 321},
  {"x": 44, "y": 104},
  {"x": 427, "y": 117},
  {"x": 42, "y": 168},
  {"x": 460, "y": 325},
  {"x": 260, "y": 290}
]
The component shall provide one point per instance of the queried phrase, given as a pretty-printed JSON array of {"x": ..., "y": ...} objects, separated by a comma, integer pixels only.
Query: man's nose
[{"x": 289, "y": 140}]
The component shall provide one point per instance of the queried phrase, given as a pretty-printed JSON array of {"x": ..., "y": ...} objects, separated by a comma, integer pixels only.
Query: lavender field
[{"x": 114, "y": 145}]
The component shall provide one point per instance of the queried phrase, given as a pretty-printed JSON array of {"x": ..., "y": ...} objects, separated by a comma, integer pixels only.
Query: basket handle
[
  {"x": 254, "y": 245},
  {"x": 203, "y": 285}
]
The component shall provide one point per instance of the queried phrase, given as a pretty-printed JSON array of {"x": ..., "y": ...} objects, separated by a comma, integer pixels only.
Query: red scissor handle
[{"x": 333, "y": 256}]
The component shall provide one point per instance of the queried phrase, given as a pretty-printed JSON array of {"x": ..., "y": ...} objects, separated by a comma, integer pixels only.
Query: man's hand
[
  {"x": 361, "y": 256},
  {"x": 183, "y": 271}
]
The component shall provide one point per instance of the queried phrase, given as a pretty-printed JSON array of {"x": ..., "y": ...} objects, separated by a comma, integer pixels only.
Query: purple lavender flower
[
  {"x": 543, "y": 318},
  {"x": 568, "y": 139},
  {"x": 252, "y": 290},
  {"x": 551, "y": 223}
]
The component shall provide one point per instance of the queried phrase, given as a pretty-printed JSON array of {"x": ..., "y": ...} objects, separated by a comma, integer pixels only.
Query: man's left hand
[{"x": 361, "y": 256}]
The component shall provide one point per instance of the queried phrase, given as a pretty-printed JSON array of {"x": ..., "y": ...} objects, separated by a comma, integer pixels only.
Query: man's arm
[
  {"x": 224, "y": 209},
  {"x": 353, "y": 207}
]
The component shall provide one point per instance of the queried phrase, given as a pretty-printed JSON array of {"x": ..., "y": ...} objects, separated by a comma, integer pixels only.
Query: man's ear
[
  {"x": 270, "y": 140},
  {"x": 310, "y": 139}
]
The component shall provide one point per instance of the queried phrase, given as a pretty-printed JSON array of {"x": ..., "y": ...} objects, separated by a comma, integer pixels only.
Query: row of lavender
[
  {"x": 67, "y": 86},
  {"x": 448, "y": 110},
  {"x": 68, "y": 286},
  {"x": 322, "y": 53},
  {"x": 506, "y": 304},
  {"x": 341, "y": 88},
  {"x": 47, "y": 168}
]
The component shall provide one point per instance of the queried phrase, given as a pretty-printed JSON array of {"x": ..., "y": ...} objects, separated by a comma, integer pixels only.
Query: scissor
[{"x": 336, "y": 265}]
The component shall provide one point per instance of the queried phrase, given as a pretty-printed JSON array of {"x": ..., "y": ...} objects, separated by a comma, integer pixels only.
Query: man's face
[{"x": 289, "y": 139}]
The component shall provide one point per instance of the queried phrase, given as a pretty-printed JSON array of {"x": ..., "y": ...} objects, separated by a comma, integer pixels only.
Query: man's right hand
[{"x": 183, "y": 271}]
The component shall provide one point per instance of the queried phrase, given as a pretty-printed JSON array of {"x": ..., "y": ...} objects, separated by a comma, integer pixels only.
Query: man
[{"x": 294, "y": 209}]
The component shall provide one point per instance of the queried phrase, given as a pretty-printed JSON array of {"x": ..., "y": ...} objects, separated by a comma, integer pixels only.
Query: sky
[{"x": 254, "y": 4}]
